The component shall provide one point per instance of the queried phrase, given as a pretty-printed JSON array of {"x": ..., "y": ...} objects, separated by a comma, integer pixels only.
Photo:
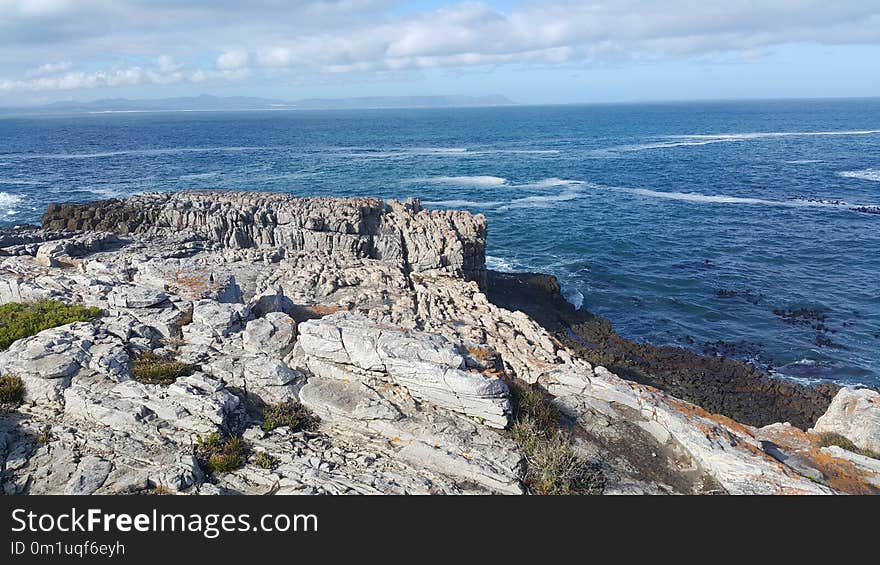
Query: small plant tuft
[
  {"x": 220, "y": 455},
  {"x": 552, "y": 465},
  {"x": 19, "y": 320},
  {"x": 827, "y": 439},
  {"x": 161, "y": 490},
  {"x": 45, "y": 436},
  {"x": 291, "y": 414},
  {"x": 11, "y": 390},
  {"x": 265, "y": 460},
  {"x": 153, "y": 369}
]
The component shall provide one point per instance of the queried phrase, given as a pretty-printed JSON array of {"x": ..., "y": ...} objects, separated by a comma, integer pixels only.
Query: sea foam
[
  {"x": 864, "y": 174},
  {"x": 8, "y": 203},
  {"x": 476, "y": 180}
]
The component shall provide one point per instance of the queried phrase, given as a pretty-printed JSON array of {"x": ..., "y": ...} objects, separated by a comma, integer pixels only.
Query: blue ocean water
[{"x": 723, "y": 227}]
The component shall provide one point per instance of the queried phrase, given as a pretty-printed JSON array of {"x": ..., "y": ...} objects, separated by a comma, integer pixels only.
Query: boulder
[
  {"x": 854, "y": 413},
  {"x": 274, "y": 335}
]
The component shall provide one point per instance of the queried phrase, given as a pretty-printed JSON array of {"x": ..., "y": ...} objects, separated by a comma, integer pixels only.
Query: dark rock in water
[
  {"x": 801, "y": 316},
  {"x": 823, "y": 341},
  {"x": 736, "y": 349},
  {"x": 748, "y": 295},
  {"x": 867, "y": 209},
  {"x": 718, "y": 384}
]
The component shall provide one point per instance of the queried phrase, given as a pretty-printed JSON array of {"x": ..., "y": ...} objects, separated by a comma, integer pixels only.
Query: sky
[{"x": 532, "y": 51}]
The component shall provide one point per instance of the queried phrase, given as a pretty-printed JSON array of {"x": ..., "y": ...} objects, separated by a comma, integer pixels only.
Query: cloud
[
  {"x": 231, "y": 60},
  {"x": 305, "y": 38}
]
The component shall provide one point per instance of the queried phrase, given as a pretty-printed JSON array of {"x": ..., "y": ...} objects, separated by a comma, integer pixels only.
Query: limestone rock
[
  {"x": 855, "y": 414},
  {"x": 47, "y": 361},
  {"x": 274, "y": 334},
  {"x": 427, "y": 365}
]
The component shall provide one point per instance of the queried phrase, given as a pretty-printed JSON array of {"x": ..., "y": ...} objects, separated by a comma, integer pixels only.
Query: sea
[{"x": 745, "y": 229}]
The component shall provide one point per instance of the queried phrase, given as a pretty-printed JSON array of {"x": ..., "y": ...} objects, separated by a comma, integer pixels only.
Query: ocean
[{"x": 747, "y": 229}]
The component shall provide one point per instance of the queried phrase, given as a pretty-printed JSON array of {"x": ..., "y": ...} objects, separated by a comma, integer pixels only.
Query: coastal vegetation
[
  {"x": 291, "y": 414},
  {"x": 552, "y": 465},
  {"x": 828, "y": 439},
  {"x": 11, "y": 390},
  {"x": 19, "y": 320},
  {"x": 152, "y": 368},
  {"x": 221, "y": 455}
]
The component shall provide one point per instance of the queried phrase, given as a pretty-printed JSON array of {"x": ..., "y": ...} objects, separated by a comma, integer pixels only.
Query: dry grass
[
  {"x": 11, "y": 390},
  {"x": 828, "y": 439},
  {"x": 153, "y": 369},
  {"x": 291, "y": 414},
  {"x": 552, "y": 465}
]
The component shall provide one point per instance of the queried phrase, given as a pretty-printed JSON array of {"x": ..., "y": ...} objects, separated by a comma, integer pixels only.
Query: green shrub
[
  {"x": 827, "y": 439},
  {"x": 265, "y": 460},
  {"x": 11, "y": 390},
  {"x": 291, "y": 414},
  {"x": 552, "y": 465},
  {"x": 20, "y": 320},
  {"x": 220, "y": 455},
  {"x": 150, "y": 368}
]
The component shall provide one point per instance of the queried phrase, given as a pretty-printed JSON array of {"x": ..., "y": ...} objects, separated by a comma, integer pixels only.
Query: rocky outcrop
[
  {"x": 428, "y": 366},
  {"x": 855, "y": 414},
  {"x": 379, "y": 319},
  {"x": 344, "y": 227}
]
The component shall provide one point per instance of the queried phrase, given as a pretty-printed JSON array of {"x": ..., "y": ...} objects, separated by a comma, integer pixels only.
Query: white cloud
[
  {"x": 313, "y": 37},
  {"x": 231, "y": 60},
  {"x": 50, "y": 69},
  {"x": 120, "y": 76}
]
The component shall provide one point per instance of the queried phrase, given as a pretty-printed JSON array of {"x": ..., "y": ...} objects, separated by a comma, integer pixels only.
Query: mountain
[
  {"x": 206, "y": 102},
  {"x": 401, "y": 102}
]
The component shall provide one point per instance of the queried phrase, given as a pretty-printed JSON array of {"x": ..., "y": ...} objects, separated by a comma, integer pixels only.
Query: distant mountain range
[{"x": 214, "y": 103}]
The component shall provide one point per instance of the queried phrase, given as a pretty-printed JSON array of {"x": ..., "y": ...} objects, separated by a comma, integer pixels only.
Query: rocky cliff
[
  {"x": 399, "y": 232},
  {"x": 342, "y": 346}
]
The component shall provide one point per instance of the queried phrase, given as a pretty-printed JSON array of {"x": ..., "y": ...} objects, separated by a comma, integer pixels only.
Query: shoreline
[
  {"x": 719, "y": 384},
  {"x": 260, "y": 343}
]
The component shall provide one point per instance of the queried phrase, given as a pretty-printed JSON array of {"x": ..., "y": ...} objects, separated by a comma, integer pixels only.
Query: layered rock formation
[{"x": 372, "y": 315}]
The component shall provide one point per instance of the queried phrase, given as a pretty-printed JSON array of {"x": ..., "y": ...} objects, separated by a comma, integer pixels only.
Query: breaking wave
[
  {"x": 8, "y": 203},
  {"x": 476, "y": 180}
]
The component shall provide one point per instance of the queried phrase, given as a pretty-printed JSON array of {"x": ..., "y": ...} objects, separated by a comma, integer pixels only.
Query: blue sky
[{"x": 551, "y": 51}]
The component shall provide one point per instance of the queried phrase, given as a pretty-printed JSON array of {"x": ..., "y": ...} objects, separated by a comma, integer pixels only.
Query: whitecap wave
[
  {"x": 112, "y": 192},
  {"x": 573, "y": 296},
  {"x": 476, "y": 180},
  {"x": 689, "y": 140},
  {"x": 19, "y": 182},
  {"x": 500, "y": 264},
  {"x": 8, "y": 203},
  {"x": 662, "y": 145},
  {"x": 770, "y": 134},
  {"x": 461, "y": 204},
  {"x": 698, "y": 197},
  {"x": 864, "y": 174},
  {"x": 549, "y": 183},
  {"x": 804, "y": 161},
  {"x": 543, "y": 201}
]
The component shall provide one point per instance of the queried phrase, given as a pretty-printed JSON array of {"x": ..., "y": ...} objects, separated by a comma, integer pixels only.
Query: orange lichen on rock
[
  {"x": 326, "y": 309},
  {"x": 693, "y": 410},
  {"x": 842, "y": 475},
  {"x": 192, "y": 284}
]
